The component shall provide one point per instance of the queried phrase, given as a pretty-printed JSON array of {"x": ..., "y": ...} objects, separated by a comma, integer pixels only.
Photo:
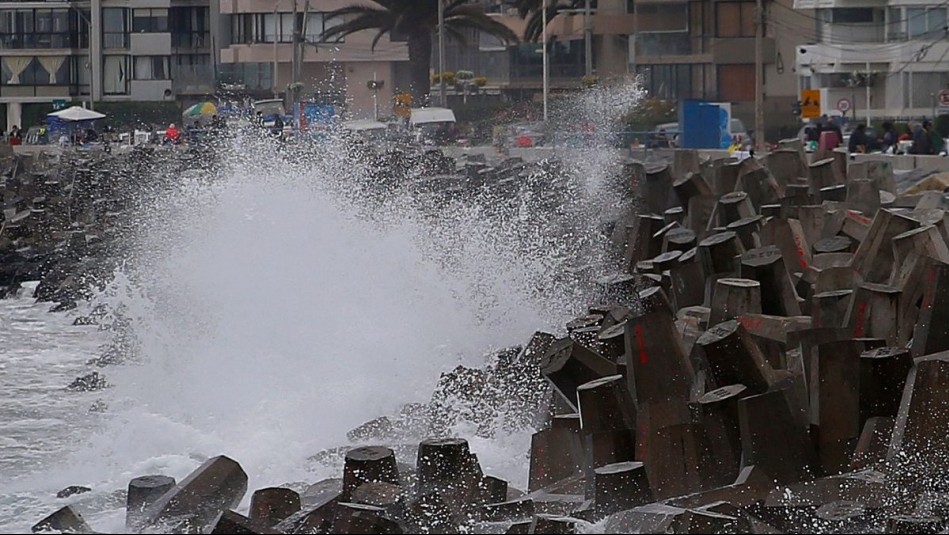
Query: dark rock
[
  {"x": 88, "y": 383},
  {"x": 71, "y": 490}
]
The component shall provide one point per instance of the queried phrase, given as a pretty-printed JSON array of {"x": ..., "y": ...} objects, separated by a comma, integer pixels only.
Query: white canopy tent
[{"x": 77, "y": 113}]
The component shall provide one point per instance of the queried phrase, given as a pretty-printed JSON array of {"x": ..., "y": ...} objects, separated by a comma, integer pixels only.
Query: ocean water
[{"x": 276, "y": 303}]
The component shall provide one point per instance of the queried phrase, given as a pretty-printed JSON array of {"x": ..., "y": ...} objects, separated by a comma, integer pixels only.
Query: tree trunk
[{"x": 420, "y": 61}]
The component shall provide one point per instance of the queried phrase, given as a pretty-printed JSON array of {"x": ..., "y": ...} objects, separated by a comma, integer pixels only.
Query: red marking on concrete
[
  {"x": 641, "y": 343},
  {"x": 861, "y": 316}
]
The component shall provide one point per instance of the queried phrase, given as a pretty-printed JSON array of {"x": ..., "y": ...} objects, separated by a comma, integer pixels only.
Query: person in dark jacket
[
  {"x": 890, "y": 137},
  {"x": 858, "y": 140},
  {"x": 922, "y": 143}
]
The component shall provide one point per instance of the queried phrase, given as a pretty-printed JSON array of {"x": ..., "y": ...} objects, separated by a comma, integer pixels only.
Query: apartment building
[
  {"x": 680, "y": 49},
  {"x": 899, "y": 51},
  {"x": 256, "y": 56},
  {"x": 104, "y": 51}
]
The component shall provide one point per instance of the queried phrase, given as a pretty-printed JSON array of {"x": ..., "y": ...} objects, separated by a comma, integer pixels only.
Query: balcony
[
  {"x": 828, "y": 58},
  {"x": 151, "y": 44},
  {"x": 38, "y": 91},
  {"x": 43, "y": 41},
  {"x": 149, "y": 89}
]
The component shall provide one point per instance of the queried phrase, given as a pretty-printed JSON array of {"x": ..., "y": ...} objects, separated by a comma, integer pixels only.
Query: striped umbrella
[{"x": 200, "y": 109}]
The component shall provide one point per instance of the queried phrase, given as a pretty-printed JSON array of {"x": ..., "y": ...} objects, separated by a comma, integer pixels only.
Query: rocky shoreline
[{"x": 766, "y": 354}]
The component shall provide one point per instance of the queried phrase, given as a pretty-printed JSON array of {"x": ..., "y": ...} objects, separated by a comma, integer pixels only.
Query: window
[
  {"x": 40, "y": 28},
  {"x": 151, "y": 67},
  {"x": 267, "y": 27},
  {"x": 252, "y": 76},
  {"x": 673, "y": 81},
  {"x": 923, "y": 87},
  {"x": 47, "y": 70},
  {"x": 895, "y": 24},
  {"x": 150, "y": 20},
  {"x": 735, "y": 19},
  {"x": 115, "y": 75},
  {"x": 851, "y": 15},
  {"x": 925, "y": 23},
  {"x": 115, "y": 28},
  {"x": 736, "y": 83}
]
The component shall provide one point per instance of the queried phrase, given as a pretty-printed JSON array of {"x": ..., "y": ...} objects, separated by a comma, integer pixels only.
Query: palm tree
[
  {"x": 532, "y": 10},
  {"x": 416, "y": 20}
]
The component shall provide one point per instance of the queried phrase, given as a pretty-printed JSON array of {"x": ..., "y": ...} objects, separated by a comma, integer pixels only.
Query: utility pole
[
  {"x": 441, "y": 53},
  {"x": 759, "y": 79},
  {"x": 294, "y": 67},
  {"x": 276, "y": 61},
  {"x": 866, "y": 83},
  {"x": 587, "y": 38},
  {"x": 546, "y": 62}
]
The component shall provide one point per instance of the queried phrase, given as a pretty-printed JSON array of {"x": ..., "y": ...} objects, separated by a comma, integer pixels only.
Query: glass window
[
  {"x": 150, "y": 20},
  {"x": 269, "y": 28},
  {"x": 895, "y": 24},
  {"x": 115, "y": 28},
  {"x": 336, "y": 21},
  {"x": 925, "y": 22},
  {"x": 115, "y": 70},
  {"x": 314, "y": 27},
  {"x": 852, "y": 15},
  {"x": 151, "y": 67},
  {"x": 286, "y": 27}
]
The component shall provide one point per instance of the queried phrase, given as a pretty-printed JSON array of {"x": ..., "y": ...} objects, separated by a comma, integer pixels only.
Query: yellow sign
[{"x": 810, "y": 103}]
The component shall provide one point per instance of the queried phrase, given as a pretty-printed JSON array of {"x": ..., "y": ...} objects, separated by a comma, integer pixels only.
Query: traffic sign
[
  {"x": 59, "y": 104},
  {"x": 844, "y": 105},
  {"x": 810, "y": 103},
  {"x": 944, "y": 97}
]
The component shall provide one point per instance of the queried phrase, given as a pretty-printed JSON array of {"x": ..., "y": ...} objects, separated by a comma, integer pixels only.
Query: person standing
[
  {"x": 858, "y": 140},
  {"x": 922, "y": 141},
  {"x": 890, "y": 137}
]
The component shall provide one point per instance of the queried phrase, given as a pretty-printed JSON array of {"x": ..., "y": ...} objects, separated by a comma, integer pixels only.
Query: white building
[{"x": 902, "y": 44}]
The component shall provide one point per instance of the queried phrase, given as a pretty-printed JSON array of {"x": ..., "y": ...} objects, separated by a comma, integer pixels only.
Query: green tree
[{"x": 416, "y": 21}]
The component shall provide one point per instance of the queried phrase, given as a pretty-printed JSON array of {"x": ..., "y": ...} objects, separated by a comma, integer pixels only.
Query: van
[{"x": 432, "y": 126}]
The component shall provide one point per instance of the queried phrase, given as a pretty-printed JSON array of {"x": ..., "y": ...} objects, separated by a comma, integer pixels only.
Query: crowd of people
[{"x": 923, "y": 139}]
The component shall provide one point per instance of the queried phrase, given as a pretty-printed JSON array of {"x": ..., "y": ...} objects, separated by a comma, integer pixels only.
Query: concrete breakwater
[{"x": 766, "y": 354}]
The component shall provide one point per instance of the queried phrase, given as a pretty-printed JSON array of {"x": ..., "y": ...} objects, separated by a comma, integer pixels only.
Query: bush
[{"x": 481, "y": 81}]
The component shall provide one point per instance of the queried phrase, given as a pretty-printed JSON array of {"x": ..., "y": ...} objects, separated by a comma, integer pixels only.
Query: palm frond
[
  {"x": 475, "y": 18},
  {"x": 370, "y": 20}
]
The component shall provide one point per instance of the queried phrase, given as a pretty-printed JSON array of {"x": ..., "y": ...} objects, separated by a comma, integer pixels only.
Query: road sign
[
  {"x": 59, "y": 104},
  {"x": 810, "y": 103},
  {"x": 844, "y": 105},
  {"x": 944, "y": 97}
]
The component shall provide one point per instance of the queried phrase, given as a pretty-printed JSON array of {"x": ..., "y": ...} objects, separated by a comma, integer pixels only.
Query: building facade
[
  {"x": 256, "y": 57},
  {"x": 894, "y": 52},
  {"x": 105, "y": 51},
  {"x": 679, "y": 49}
]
